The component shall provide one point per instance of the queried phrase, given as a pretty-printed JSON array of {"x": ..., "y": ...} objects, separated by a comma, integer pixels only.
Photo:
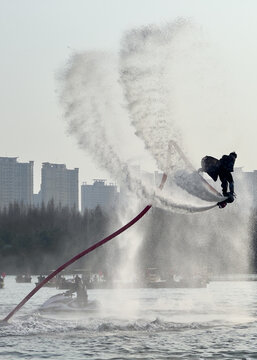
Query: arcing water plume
[{"x": 92, "y": 97}]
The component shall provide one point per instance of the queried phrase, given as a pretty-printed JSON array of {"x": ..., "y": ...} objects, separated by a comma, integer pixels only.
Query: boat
[
  {"x": 67, "y": 303},
  {"x": 153, "y": 280},
  {"x": 50, "y": 283},
  {"x": 23, "y": 278},
  {"x": 64, "y": 284}
]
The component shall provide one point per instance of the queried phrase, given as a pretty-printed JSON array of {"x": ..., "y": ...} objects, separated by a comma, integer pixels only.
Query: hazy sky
[{"x": 37, "y": 37}]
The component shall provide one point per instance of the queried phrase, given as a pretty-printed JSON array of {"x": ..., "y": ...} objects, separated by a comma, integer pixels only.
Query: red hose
[{"x": 83, "y": 253}]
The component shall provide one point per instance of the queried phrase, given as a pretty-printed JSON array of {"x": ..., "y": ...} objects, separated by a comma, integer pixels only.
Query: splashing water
[
  {"x": 176, "y": 90},
  {"x": 164, "y": 73},
  {"x": 93, "y": 100}
]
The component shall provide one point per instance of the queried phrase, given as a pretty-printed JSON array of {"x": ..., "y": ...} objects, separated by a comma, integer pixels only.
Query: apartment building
[
  {"x": 100, "y": 194},
  {"x": 59, "y": 184},
  {"x": 16, "y": 182}
]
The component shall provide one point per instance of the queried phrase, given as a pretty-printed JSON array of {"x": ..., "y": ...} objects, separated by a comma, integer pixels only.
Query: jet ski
[{"x": 67, "y": 303}]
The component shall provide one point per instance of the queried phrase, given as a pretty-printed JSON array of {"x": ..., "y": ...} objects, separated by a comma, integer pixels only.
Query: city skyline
[{"x": 63, "y": 186}]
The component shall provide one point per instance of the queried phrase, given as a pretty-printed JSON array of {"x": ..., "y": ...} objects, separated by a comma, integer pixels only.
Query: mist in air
[{"x": 166, "y": 84}]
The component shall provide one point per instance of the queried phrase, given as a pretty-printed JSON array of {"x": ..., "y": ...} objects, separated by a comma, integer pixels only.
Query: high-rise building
[
  {"x": 246, "y": 186},
  {"x": 99, "y": 193},
  {"x": 60, "y": 185},
  {"x": 16, "y": 182}
]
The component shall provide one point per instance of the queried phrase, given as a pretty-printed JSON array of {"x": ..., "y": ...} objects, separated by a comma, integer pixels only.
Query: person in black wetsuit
[{"x": 221, "y": 168}]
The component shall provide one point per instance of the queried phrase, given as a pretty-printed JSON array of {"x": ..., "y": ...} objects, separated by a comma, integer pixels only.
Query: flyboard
[{"x": 193, "y": 182}]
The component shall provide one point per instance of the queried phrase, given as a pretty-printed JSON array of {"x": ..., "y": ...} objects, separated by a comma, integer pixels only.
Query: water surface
[{"x": 217, "y": 322}]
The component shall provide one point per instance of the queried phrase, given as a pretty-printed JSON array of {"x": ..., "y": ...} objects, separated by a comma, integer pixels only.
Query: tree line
[{"x": 37, "y": 240}]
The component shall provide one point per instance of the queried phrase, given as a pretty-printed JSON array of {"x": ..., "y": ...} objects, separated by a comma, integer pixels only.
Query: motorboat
[
  {"x": 50, "y": 283},
  {"x": 23, "y": 278},
  {"x": 67, "y": 303},
  {"x": 63, "y": 284}
]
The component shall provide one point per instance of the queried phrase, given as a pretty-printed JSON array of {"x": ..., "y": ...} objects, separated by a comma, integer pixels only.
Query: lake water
[{"x": 217, "y": 322}]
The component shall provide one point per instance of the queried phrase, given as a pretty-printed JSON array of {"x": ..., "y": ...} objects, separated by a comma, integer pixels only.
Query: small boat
[
  {"x": 67, "y": 303},
  {"x": 50, "y": 283},
  {"x": 23, "y": 279},
  {"x": 64, "y": 284}
]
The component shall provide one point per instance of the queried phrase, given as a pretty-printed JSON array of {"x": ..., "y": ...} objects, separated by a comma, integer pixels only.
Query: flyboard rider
[{"x": 221, "y": 168}]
